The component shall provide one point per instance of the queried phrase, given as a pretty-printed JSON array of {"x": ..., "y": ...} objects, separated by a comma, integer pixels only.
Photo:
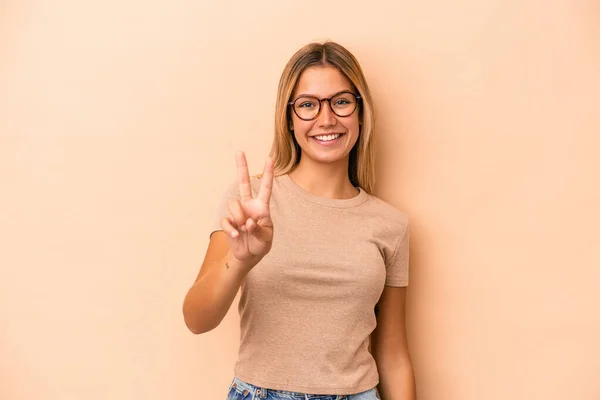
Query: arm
[
  {"x": 211, "y": 295},
  {"x": 390, "y": 348},
  {"x": 246, "y": 237}
]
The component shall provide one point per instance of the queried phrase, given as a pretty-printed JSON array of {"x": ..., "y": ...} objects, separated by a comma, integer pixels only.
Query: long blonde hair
[{"x": 285, "y": 149}]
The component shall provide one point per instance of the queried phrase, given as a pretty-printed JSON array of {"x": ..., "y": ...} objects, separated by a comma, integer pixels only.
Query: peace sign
[{"x": 249, "y": 227}]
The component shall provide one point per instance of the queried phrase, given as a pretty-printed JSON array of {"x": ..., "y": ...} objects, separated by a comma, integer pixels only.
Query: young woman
[{"x": 321, "y": 262}]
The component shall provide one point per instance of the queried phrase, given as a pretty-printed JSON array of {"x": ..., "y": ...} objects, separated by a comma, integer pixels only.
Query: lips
[{"x": 330, "y": 139}]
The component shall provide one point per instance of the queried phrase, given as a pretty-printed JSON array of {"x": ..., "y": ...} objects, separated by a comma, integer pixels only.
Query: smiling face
[{"x": 328, "y": 138}]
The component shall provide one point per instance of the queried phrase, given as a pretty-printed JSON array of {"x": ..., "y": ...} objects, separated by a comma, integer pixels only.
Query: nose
[{"x": 327, "y": 116}]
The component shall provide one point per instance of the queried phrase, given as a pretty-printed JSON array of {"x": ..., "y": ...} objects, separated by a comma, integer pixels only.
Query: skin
[
  {"x": 246, "y": 238},
  {"x": 248, "y": 233},
  {"x": 323, "y": 170}
]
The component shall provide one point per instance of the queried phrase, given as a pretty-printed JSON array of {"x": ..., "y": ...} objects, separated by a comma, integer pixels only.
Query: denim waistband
[{"x": 252, "y": 392}]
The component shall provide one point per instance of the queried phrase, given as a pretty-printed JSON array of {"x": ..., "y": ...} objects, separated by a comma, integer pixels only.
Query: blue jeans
[{"x": 240, "y": 390}]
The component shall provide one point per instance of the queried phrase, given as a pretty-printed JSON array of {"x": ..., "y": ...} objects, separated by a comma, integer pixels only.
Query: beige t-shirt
[{"x": 307, "y": 309}]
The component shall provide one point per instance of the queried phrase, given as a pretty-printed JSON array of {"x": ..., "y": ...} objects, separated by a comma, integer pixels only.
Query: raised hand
[{"x": 249, "y": 226}]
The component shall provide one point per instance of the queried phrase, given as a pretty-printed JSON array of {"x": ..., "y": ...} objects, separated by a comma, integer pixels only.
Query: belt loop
[{"x": 261, "y": 392}]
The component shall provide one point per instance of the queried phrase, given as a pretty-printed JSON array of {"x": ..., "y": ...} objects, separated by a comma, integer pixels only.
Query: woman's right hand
[{"x": 248, "y": 226}]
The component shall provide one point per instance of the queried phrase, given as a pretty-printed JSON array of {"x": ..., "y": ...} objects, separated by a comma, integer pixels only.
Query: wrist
[{"x": 243, "y": 266}]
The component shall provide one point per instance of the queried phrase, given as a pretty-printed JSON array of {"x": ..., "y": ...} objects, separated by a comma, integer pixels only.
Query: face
[{"x": 328, "y": 138}]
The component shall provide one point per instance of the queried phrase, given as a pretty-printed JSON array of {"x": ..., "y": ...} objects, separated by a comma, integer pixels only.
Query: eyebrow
[{"x": 314, "y": 95}]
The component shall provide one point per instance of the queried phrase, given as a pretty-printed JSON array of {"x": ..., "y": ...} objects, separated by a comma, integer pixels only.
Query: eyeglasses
[{"x": 343, "y": 104}]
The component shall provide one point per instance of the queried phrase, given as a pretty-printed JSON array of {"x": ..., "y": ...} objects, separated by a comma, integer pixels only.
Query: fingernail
[{"x": 234, "y": 234}]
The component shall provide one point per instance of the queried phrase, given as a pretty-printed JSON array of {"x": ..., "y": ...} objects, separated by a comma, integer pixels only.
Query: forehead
[{"x": 322, "y": 81}]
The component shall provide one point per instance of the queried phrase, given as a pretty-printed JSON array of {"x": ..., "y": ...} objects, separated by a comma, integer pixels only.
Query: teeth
[{"x": 326, "y": 138}]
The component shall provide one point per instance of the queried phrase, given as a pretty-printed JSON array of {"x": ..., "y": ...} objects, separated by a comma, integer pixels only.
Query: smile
[{"x": 327, "y": 138}]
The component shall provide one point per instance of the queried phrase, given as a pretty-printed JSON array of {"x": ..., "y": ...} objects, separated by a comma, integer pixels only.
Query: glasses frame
[{"x": 328, "y": 99}]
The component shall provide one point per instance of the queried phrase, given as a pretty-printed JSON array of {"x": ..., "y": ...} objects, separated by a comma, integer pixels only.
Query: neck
[{"x": 329, "y": 180}]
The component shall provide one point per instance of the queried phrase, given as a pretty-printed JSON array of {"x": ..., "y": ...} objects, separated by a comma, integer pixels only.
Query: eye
[{"x": 343, "y": 100}]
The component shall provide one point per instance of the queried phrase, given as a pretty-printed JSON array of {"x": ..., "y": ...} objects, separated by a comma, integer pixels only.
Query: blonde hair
[{"x": 285, "y": 149}]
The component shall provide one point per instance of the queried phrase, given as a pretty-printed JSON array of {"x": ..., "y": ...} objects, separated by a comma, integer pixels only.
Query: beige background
[{"x": 118, "y": 125}]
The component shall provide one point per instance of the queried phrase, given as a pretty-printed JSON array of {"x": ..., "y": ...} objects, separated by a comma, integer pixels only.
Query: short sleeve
[
  {"x": 397, "y": 264},
  {"x": 231, "y": 192}
]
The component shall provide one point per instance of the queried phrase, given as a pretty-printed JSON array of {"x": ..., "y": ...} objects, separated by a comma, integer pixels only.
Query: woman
[{"x": 312, "y": 250}]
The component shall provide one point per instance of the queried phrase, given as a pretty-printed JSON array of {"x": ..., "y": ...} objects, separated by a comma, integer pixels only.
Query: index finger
[
  {"x": 266, "y": 184},
  {"x": 243, "y": 176}
]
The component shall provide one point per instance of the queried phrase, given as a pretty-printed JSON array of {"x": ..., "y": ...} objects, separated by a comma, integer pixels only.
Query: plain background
[{"x": 119, "y": 121}]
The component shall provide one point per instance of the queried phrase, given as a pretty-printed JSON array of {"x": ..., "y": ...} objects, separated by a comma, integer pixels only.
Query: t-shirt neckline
[{"x": 360, "y": 198}]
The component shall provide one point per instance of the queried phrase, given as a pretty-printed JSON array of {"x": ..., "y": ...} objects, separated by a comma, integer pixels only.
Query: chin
[{"x": 327, "y": 158}]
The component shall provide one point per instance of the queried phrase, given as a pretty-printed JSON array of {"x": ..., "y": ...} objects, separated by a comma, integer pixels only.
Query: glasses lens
[
  {"x": 306, "y": 107},
  {"x": 343, "y": 104}
]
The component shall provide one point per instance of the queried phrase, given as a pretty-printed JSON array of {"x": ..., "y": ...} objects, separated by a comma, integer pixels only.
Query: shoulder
[
  {"x": 386, "y": 209},
  {"x": 383, "y": 213}
]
